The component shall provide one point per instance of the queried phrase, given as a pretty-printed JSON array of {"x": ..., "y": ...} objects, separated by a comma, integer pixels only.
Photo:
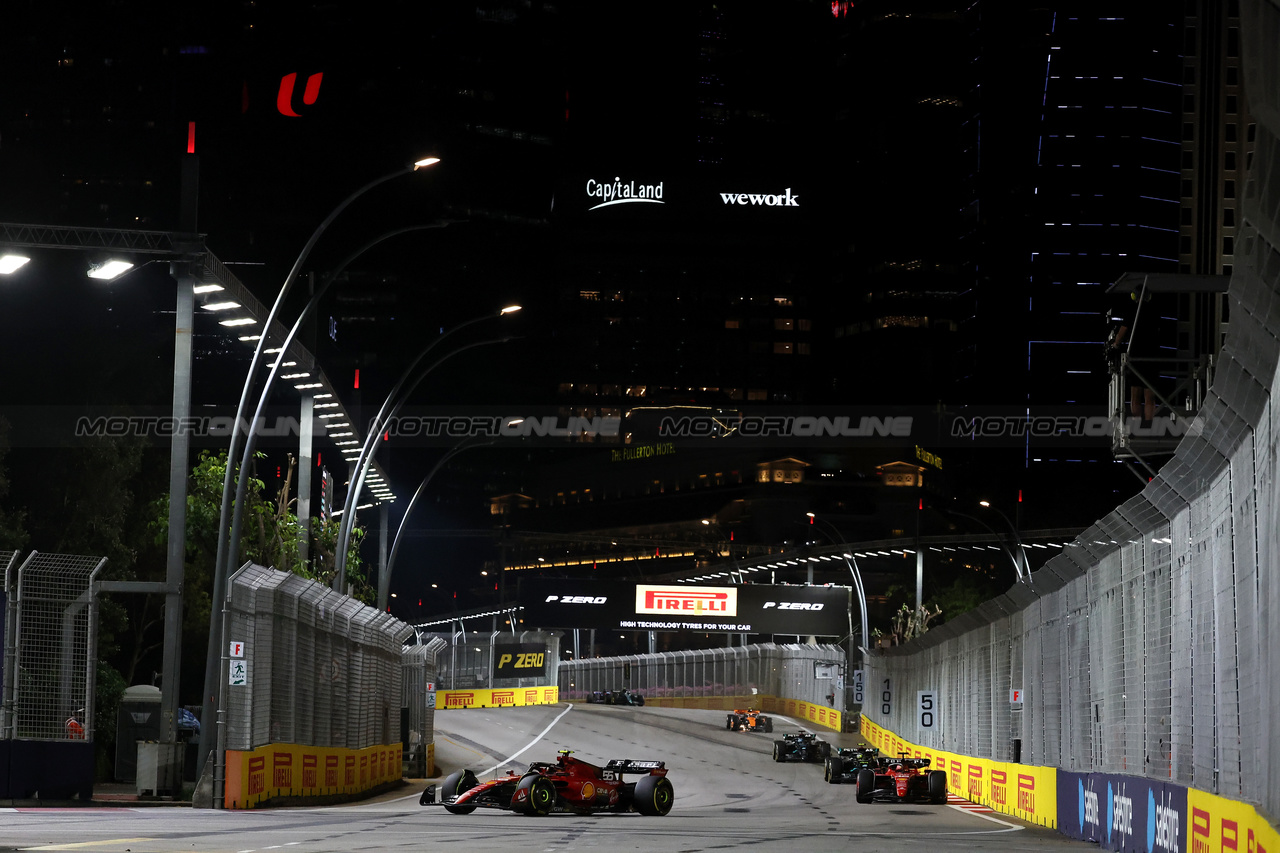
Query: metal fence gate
[{"x": 50, "y": 647}]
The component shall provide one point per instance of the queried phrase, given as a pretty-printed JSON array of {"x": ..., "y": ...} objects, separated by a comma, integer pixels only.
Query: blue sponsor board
[{"x": 1124, "y": 813}]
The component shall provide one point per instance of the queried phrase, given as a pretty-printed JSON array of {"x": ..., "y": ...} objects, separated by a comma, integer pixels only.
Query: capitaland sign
[
  {"x": 784, "y": 199},
  {"x": 688, "y": 600},
  {"x": 619, "y": 191}
]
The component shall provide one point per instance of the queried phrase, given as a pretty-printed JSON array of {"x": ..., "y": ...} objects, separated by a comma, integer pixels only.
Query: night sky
[{"x": 523, "y": 101}]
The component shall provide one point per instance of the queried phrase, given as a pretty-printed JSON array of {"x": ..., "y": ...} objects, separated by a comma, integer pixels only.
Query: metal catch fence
[
  {"x": 472, "y": 660},
  {"x": 327, "y": 670},
  {"x": 418, "y": 703},
  {"x": 1148, "y": 646},
  {"x": 766, "y": 669},
  {"x": 50, "y": 644}
]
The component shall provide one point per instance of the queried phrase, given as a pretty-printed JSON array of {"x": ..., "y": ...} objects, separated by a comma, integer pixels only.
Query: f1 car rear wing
[
  {"x": 627, "y": 765},
  {"x": 908, "y": 761}
]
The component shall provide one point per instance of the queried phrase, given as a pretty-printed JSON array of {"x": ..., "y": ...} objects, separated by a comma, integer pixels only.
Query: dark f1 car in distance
[
  {"x": 748, "y": 720},
  {"x": 566, "y": 785},
  {"x": 902, "y": 779},
  {"x": 615, "y": 697},
  {"x": 804, "y": 746},
  {"x": 843, "y": 764}
]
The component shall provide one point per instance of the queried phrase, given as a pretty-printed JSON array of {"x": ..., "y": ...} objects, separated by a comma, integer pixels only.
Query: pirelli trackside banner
[{"x": 745, "y": 608}]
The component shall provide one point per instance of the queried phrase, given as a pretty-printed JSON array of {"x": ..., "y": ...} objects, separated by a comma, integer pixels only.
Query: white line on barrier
[{"x": 1013, "y": 826}]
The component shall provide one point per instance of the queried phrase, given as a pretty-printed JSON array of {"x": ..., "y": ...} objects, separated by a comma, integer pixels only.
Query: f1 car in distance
[
  {"x": 902, "y": 779},
  {"x": 626, "y": 697},
  {"x": 804, "y": 746},
  {"x": 748, "y": 720},
  {"x": 843, "y": 764},
  {"x": 614, "y": 697},
  {"x": 566, "y": 785}
]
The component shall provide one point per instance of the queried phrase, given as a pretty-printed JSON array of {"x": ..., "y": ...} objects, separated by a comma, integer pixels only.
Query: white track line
[{"x": 513, "y": 755}]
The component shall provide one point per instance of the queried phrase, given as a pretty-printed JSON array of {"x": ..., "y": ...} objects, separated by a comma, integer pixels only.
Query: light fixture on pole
[
  {"x": 227, "y": 547},
  {"x": 109, "y": 270},
  {"x": 851, "y": 563},
  {"x": 390, "y": 406},
  {"x": 1020, "y": 562},
  {"x": 384, "y": 581},
  {"x": 11, "y": 263}
]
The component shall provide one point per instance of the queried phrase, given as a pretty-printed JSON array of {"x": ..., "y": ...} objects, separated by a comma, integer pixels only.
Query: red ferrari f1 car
[
  {"x": 566, "y": 785},
  {"x": 901, "y": 779}
]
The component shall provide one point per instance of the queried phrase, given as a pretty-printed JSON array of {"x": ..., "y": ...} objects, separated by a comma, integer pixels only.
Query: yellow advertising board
[
  {"x": 507, "y": 697},
  {"x": 1218, "y": 824},
  {"x": 1021, "y": 790},
  {"x": 279, "y": 770},
  {"x": 819, "y": 715}
]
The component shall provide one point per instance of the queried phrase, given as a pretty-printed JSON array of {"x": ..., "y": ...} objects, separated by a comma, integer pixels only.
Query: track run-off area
[{"x": 729, "y": 795}]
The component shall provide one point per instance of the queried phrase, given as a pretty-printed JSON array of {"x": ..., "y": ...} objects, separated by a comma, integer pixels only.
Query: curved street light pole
[
  {"x": 851, "y": 563},
  {"x": 384, "y": 580},
  {"x": 1024, "y": 574},
  {"x": 389, "y": 408},
  {"x": 226, "y": 550},
  {"x": 251, "y": 440},
  {"x": 1017, "y": 567}
]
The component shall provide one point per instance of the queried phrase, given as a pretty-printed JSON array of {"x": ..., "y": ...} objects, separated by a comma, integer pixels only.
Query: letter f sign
[{"x": 284, "y": 99}]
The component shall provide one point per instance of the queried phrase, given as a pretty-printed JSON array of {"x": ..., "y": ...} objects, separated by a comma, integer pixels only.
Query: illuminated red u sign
[{"x": 284, "y": 100}]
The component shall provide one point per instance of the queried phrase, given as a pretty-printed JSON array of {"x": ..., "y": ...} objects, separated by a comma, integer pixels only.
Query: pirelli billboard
[{"x": 746, "y": 608}]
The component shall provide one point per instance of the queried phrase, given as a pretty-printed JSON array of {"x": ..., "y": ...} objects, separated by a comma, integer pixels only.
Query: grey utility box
[{"x": 139, "y": 719}]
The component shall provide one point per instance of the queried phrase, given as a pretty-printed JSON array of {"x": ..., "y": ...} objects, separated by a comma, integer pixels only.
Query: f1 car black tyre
[
  {"x": 824, "y": 750},
  {"x": 654, "y": 795},
  {"x": 938, "y": 786},
  {"x": 768, "y": 725},
  {"x": 730, "y": 723},
  {"x": 540, "y": 794},
  {"x": 778, "y": 747},
  {"x": 454, "y": 784},
  {"x": 866, "y": 784},
  {"x": 639, "y": 700},
  {"x": 830, "y": 772}
]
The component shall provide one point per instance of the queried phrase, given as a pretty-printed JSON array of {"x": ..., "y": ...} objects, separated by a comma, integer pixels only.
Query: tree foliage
[{"x": 270, "y": 534}]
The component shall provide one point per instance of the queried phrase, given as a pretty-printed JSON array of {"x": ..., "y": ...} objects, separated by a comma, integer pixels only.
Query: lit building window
[{"x": 783, "y": 348}]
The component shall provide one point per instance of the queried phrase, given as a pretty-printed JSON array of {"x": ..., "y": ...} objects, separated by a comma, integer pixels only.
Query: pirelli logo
[{"x": 686, "y": 600}]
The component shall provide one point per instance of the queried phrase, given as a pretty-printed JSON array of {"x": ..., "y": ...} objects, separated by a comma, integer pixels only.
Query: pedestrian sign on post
[{"x": 239, "y": 672}]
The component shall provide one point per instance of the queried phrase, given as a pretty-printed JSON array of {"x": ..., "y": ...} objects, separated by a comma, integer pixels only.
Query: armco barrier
[
  {"x": 511, "y": 697},
  {"x": 285, "y": 770}
]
